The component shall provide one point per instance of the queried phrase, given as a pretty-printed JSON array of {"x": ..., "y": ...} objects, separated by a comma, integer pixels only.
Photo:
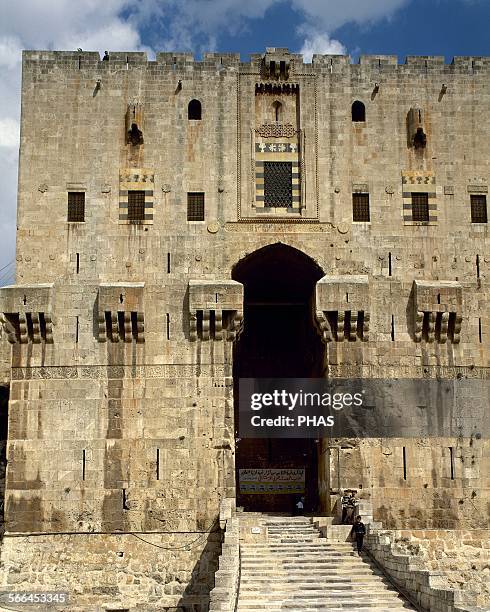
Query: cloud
[
  {"x": 9, "y": 133},
  {"x": 332, "y": 14},
  {"x": 322, "y": 44}
]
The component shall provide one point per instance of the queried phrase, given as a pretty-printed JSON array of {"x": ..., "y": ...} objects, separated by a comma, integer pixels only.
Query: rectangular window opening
[
  {"x": 76, "y": 331},
  {"x": 420, "y": 206},
  {"x": 136, "y": 205},
  {"x": 83, "y": 464},
  {"x": 76, "y": 206},
  {"x": 168, "y": 263},
  {"x": 451, "y": 459},
  {"x": 78, "y": 263},
  {"x": 158, "y": 464},
  {"x": 360, "y": 207},
  {"x": 404, "y": 463},
  {"x": 477, "y": 266},
  {"x": 389, "y": 264},
  {"x": 168, "y": 325},
  {"x": 478, "y": 208},
  {"x": 195, "y": 206},
  {"x": 479, "y": 330},
  {"x": 392, "y": 328},
  {"x": 278, "y": 184}
]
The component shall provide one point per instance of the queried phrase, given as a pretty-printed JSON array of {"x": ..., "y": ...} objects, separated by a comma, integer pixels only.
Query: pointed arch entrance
[{"x": 278, "y": 341}]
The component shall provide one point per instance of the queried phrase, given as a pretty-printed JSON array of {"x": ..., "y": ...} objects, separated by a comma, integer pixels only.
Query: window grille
[
  {"x": 360, "y": 207},
  {"x": 278, "y": 184},
  {"x": 76, "y": 206},
  {"x": 195, "y": 207},
  {"x": 479, "y": 209},
  {"x": 420, "y": 206},
  {"x": 136, "y": 205}
]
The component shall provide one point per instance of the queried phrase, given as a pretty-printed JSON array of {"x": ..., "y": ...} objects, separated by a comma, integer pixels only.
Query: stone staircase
[{"x": 293, "y": 568}]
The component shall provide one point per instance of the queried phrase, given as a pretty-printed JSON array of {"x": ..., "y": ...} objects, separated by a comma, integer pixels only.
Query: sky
[{"x": 353, "y": 27}]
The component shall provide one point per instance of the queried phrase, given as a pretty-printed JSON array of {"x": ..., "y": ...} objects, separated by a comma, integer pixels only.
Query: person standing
[
  {"x": 345, "y": 506},
  {"x": 359, "y": 530}
]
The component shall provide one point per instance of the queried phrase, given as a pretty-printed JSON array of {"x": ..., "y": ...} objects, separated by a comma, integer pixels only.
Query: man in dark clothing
[{"x": 359, "y": 530}]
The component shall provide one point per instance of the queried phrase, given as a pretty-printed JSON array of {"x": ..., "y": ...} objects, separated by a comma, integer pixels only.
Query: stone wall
[
  {"x": 461, "y": 556},
  {"x": 227, "y": 578},
  {"x": 444, "y": 570},
  {"x": 159, "y": 571},
  {"x": 4, "y": 357}
]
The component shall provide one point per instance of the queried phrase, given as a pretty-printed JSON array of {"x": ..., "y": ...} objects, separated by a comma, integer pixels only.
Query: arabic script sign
[{"x": 272, "y": 480}]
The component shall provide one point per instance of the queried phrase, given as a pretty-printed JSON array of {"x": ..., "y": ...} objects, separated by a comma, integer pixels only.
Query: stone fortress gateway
[{"x": 182, "y": 224}]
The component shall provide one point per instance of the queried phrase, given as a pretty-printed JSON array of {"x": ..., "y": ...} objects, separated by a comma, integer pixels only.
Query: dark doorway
[
  {"x": 278, "y": 341},
  {"x": 4, "y": 402}
]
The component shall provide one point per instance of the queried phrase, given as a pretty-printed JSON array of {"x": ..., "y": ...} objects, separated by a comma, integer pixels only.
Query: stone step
[
  {"x": 352, "y": 599},
  {"x": 289, "y": 562},
  {"x": 296, "y": 528},
  {"x": 307, "y": 554},
  {"x": 297, "y": 570},
  {"x": 321, "y": 574},
  {"x": 347, "y": 589},
  {"x": 320, "y": 543},
  {"x": 287, "y": 550},
  {"x": 308, "y": 579},
  {"x": 331, "y": 608}
]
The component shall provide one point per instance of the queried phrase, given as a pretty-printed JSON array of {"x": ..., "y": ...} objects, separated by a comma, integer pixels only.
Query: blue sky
[{"x": 399, "y": 27}]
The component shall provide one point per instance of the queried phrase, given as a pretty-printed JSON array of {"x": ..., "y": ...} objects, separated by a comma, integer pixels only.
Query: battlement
[{"x": 213, "y": 61}]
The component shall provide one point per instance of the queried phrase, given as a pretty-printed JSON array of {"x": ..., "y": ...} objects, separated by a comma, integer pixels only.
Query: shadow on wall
[
  {"x": 4, "y": 402},
  {"x": 195, "y": 597}
]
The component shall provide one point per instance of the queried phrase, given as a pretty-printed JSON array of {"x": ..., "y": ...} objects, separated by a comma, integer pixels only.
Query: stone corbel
[
  {"x": 215, "y": 310},
  {"x": 27, "y": 313},
  {"x": 437, "y": 311},
  {"x": 121, "y": 312},
  {"x": 342, "y": 308}
]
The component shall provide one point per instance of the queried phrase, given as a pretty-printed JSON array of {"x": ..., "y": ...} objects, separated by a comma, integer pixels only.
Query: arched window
[
  {"x": 277, "y": 110},
  {"x": 194, "y": 110},
  {"x": 358, "y": 111}
]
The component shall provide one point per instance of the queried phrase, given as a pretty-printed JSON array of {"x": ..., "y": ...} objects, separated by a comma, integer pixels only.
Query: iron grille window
[
  {"x": 420, "y": 206},
  {"x": 76, "y": 206},
  {"x": 360, "y": 207},
  {"x": 278, "y": 184},
  {"x": 195, "y": 207},
  {"x": 479, "y": 209},
  {"x": 136, "y": 205}
]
